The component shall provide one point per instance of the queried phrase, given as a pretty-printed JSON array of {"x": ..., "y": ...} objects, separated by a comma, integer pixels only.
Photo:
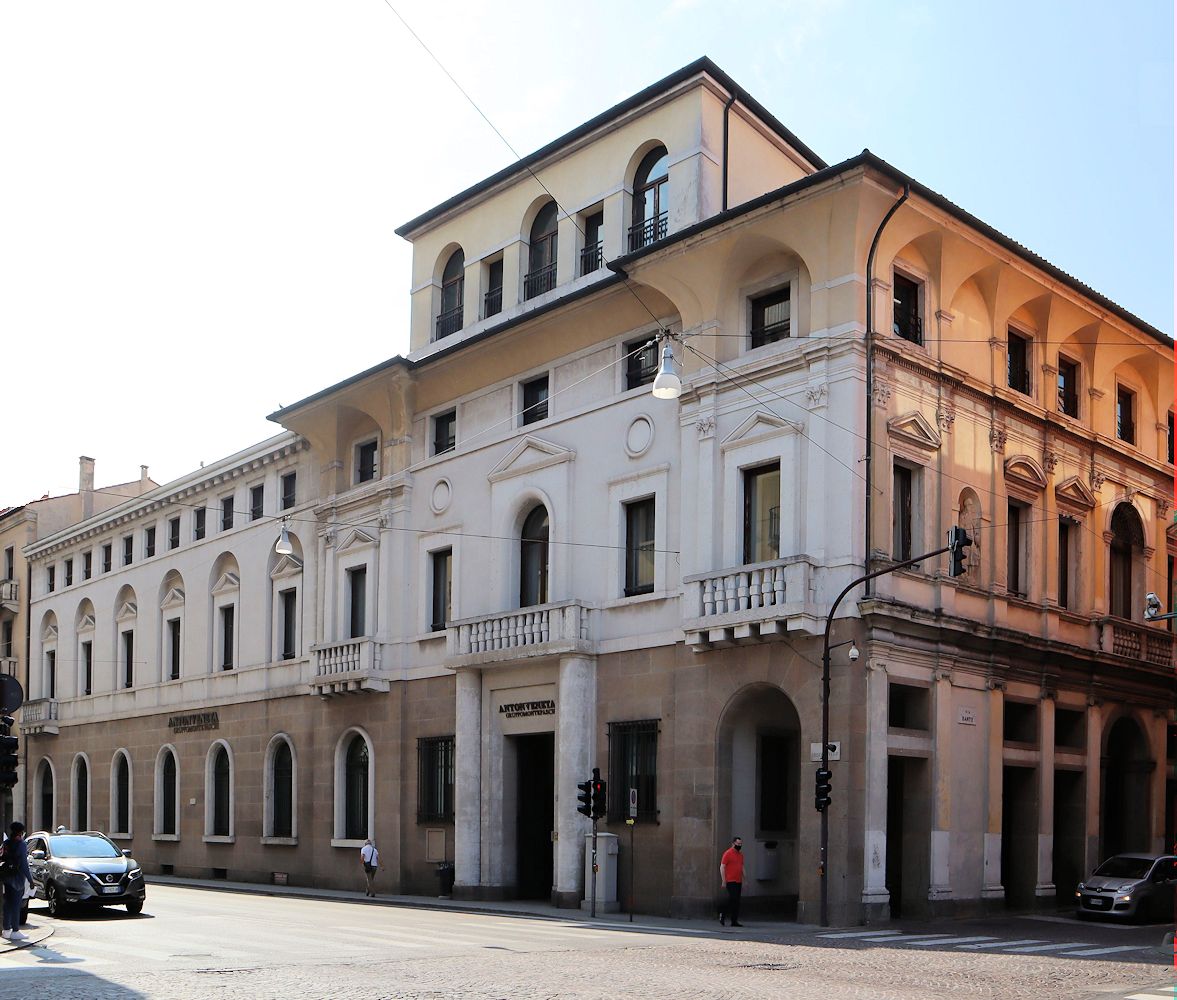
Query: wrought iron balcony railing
[
  {"x": 642, "y": 234},
  {"x": 492, "y": 302},
  {"x": 591, "y": 258},
  {"x": 449, "y": 322},
  {"x": 537, "y": 282}
]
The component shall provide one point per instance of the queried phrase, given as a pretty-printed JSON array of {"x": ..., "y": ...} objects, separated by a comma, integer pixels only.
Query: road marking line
[
  {"x": 1107, "y": 951},
  {"x": 1151, "y": 996},
  {"x": 1003, "y": 944},
  {"x": 858, "y": 934},
  {"x": 952, "y": 940},
  {"x": 903, "y": 936},
  {"x": 102, "y": 947},
  {"x": 1047, "y": 947}
]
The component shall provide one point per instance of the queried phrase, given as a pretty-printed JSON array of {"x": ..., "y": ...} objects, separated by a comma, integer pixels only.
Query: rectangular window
[
  {"x": 770, "y": 317},
  {"x": 257, "y": 501},
  {"x": 226, "y": 513},
  {"x": 1169, "y": 440},
  {"x": 87, "y": 667},
  {"x": 445, "y": 427},
  {"x": 442, "y": 584},
  {"x": 435, "y": 779},
  {"x": 289, "y": 599},
  {"x": 1015, "y": 550},
  {"x": 107, "y": 557},
  {"x": 641, "y": 363},
  {"x": 366, "y": 462},
  {"x": 128, "y": 550},
  {"x": 1017, "y": 355},
  {"x": 9, "y": 562},
  {"x": 633, "y": 763},
  {"x": 591, "y": 257},
  {"x": 198, "y": 517},
  {"x": 51, "y": 673},
  {"x": 149, "y": 543},
  {"x": 762, "y": 513},
  {"x": 173, "y": 533},
  {"x": 174, "y": 648},
  {"x": 1171, "y": 593},
  {"x": 228, "y": 613},
  {"x": 1125, "y": 417},
  {"x": 907, "y": 322},
  {"x": 902, "y": 512},
  {"x": 69, "y": 572},
  {"x": 1068, "y": 387},
  {"x": 535, "y": 400},
  {"x": 1019, "y": 723},
  {"x": 907, "y": 706},
  {"x": 776, "y": 793},
  {"x": 639, "y": 547},
  {"x": 6, "y": 638},
  {"x": 493, "y": 300},
  {"x": 357, "y": 591},
  {"x": 1064, "y": 562},
  {"x": 87, "y": 565},
  {"x": 51, "y": 578},
  {"x": 289, "y": 484},
  {"x": 129, "y": 658}
]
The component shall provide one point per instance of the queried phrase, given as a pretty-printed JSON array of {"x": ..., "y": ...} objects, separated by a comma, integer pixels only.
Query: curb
[{"x": 37, "y": 935}]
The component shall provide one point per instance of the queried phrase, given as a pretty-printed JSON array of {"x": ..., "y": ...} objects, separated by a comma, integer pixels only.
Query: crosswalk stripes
[
  {"x": 954, "y": 941},
  {"x": 1155, "y": 993},
  {"x": 985, "y": 942}
]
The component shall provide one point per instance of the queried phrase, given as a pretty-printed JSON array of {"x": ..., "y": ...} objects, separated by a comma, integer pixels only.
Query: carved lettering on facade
[{"x": 194, "y": 722}]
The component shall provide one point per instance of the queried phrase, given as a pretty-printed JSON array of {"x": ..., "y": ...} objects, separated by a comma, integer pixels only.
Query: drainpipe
[
  {"x": 726, "y": 110},
  {"x": 870, "y": 377}
]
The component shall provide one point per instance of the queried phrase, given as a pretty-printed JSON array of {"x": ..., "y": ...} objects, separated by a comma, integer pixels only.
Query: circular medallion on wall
[
  {"x": 639, "y": 436},
  {"x": 439, "y": 499}
]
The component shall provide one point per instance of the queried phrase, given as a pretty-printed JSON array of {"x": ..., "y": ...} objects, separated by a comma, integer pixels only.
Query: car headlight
[
  {"x": 70, "y": 873},
  {"x": 1124, "y": 898},
  {"x": 135, "y": 873},
  {"x": 1081, "y": 887}
]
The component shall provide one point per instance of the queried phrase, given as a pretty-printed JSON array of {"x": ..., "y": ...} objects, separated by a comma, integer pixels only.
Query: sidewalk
[{"x": 502, "y": 907}]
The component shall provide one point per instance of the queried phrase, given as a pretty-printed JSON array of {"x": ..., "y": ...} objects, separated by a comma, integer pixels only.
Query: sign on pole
[{"x": 633, "y": 803}]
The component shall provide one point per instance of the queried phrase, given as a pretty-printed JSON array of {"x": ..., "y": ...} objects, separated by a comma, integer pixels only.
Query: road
[{"x": 198, "y": 943}]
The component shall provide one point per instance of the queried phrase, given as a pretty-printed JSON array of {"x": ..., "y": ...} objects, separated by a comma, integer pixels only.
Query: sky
[{"x": 197, "y": 201}]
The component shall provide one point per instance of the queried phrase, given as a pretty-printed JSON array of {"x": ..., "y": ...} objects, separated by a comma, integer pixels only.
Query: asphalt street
[{"x": 198, "y": 943}]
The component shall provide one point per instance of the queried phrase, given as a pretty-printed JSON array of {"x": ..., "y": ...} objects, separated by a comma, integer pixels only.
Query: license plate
[
  {"x": 1101, "y": 903},
  {"x": 110, "y": 888}
]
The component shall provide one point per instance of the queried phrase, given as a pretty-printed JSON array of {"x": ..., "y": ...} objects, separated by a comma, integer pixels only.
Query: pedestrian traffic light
[
  {"x": 585, "y": 798},
  {"x": 8, "y": 756},
  {"x": 958, "y": 541},
  {"x": 821, "y": 789},
  {"x": 599, "y": 800}
]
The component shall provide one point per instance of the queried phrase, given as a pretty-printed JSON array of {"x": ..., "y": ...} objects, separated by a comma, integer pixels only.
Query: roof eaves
[{"x": 286, "y": 411}]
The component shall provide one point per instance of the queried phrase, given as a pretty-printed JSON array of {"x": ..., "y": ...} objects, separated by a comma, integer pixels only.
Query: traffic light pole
[
  {"x": 825, "y": 714},
  {"x": 593, "y": 898}
]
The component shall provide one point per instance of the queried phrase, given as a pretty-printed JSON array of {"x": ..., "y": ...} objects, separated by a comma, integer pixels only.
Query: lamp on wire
[
  {"x": 283, "y": 546},
  {"x": 667, "y": 384}
]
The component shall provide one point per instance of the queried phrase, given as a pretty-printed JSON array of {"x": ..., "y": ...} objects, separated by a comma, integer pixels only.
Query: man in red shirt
[{"x": 731, "y": 877}]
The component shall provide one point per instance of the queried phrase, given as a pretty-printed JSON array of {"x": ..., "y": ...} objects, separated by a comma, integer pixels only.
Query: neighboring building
[{"x": 512, "y": 564}]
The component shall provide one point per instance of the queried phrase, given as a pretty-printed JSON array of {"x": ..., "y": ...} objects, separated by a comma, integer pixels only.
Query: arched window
[
  {"x": 449, "y": 320},
  {"x": 649, "y": 199},
  {"x": 167, "y": 792},
  {"x": 81, "y": 796},
  {"x": 219, "y": 815},
  {"x": 45, "y": 803},
  {"x": 1127, "y": 544},
  {"x": 355, "y": 806},
  {"x": 120, "y": 794},
  {"x": 533, "y": 558},
  {"x": 541, "y": 253},
  {"x": 280, "y": 790}
]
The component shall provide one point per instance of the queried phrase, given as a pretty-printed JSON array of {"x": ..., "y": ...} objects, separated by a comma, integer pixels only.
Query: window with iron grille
[
  {"x": 1068, "y": 387},
  {"x": 907, "y": 322},
  {"x": 591, "y": 256},
  {"x": 435, "y": 779},
  {"x": 535, "y": 400},
  {"x": 633, "y": 763},
  {"x": 493, "y": 299},
  {"x": 1017, "y": 354},
  {"x": 770, "y": 317}
]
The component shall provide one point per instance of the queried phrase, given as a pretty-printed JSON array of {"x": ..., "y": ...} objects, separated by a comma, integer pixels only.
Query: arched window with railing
[
  {"x": 533, "y": 558},
  {"x": 650, "y": 207},
  {"x": 449, "y": 319},
  {"x": 541, "y": 253}
]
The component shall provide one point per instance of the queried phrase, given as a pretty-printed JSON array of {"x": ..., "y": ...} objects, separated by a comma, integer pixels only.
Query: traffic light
[
  {"x": 8, "y": 758},
  {"x": 821, "y": 789},
  {"x": 585, "y": 798},
  {"x": 958, "y": 541},
  {"x": 599, "y": 799}
]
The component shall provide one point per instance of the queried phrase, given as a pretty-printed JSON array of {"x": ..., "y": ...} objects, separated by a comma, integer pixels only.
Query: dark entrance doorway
[
  {"x": 1070, "y": 823},
  {"x": 1127, "y": 773},
  {"x": 1019, "y": 835},
  {"x": 909, "y": 824},
  {"x": 534, "y": 814}
]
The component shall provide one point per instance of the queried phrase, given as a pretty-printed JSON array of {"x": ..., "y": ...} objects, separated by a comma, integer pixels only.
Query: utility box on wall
[{"x": 606, "y": 875}]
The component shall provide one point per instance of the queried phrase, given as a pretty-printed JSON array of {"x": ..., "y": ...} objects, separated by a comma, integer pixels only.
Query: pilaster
[
  {"x": 876, "y": 900},
  {"x": 468, "y": 781},
  {"x": 577, "y": 698},
  {"x": 992, "y": 887},
  {"x": 1044, "y": 885}
]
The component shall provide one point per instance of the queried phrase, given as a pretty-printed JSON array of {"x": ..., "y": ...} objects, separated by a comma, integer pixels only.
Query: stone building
[{"x": 510, "y": 563}]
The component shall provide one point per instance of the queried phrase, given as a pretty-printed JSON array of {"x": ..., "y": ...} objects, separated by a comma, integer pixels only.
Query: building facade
[{"x": 509, "y": 563}]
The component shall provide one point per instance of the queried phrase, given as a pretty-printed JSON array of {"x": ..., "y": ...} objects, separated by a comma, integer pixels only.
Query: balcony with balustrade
[
  {"x": 555, "y": 629},
  {"x": 756, "y": 602},
  {"x": 39, "y": 717},
  {"x": 1135, "y": 641},
  {"x": 8, "y": 665},
  {"x": 351, "y": 666},
  {"x": 10, "y": 595}
]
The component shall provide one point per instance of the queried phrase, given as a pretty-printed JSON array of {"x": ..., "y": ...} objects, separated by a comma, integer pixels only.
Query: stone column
[
  {"x": 876, "y": 899},
  {"x": 1045, "y": 882},
  {"x": 1157, "y": 734},
  {"x": 576, "y": 701},
  {"x": 1094, "y": 775},
  {"x": 991, "y": 887},
  {"x": 940, "y": 849},
  {"x": 468, "y": 783}
]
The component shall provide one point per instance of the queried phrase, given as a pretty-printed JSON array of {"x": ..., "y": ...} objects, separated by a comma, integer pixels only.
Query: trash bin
[{"x": 445, "y": 878}]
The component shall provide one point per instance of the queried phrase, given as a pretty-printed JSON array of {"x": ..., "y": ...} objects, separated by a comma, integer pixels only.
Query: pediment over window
[
  {"x": 289, "y": 565},
  {"x": 356, "y": 538},
  {"x": 173, "y": 599},
  {"x": 86, "y": 623},
  {"x": 530, "y": 455},
  {"x": 1025, "y": 471},
  {"x": 1075, "y": 492},
  {"x": 127, "y": 610},
  {"x": 759, "y": 425},
  {"x": 915, "y": 429},
  {"x": 228, "y": 583},
  {"x": 49, "y": 633}
]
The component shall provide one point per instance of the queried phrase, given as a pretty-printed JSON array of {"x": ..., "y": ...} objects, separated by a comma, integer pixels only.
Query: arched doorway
[
  {"x": 1125, "y": 793},
  {"x": 758, "y": 772}
]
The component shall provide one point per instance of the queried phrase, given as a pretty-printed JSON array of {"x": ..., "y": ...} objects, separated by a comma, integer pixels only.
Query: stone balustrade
[
  {"x": 755, "y": 602},
  {"x": 39, "y": 717},
  {"x": 543, "y": 630},
  {"x": 1136, "y": 641},
  {"x": 348, "y": 666}
]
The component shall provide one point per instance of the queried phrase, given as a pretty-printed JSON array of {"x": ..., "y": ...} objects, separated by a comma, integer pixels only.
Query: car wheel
[
  {"x": 135, "y": 906},
  {"x": 56, "y": 905}
]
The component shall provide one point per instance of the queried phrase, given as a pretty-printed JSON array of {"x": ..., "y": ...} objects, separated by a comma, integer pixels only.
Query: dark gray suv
[{"x": 84, "y": 868}]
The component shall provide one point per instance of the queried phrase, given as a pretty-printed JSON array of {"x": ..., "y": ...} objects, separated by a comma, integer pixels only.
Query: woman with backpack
[{"x": 14, "y": 872}]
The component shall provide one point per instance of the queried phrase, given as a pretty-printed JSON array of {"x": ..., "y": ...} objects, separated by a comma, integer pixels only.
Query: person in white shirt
[{"x": 370, "y": 859}]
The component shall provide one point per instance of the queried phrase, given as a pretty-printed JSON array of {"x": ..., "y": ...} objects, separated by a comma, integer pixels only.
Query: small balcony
[
  {"x": 555, "y": 629},
  {"x": 756, "y": 602},
  {"x": 492, "y": 302},
  {"x": 10, "y": 595},
  {"x": 591, "y": 258},
  {"x": 348, "y": 667},
  {"x": 39, "y": 717},
  {"x": 449, "y": 322},
  {"x": 1136, "y": 642},
  {"x": 537, "y": 282},
  {"x": 8, "y": 665},
  {"x": 642, "y": 234}
]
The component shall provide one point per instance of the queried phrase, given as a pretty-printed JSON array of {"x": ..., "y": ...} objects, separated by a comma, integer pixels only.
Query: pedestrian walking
[
  {"x": 15, "y": 874},
  {"x": 370, "y": 859},
  {"x": 731, "y": 878}
]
